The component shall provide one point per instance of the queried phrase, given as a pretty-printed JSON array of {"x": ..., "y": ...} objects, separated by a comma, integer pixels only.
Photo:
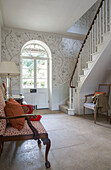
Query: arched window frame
[{"x": 46, "y": 50}]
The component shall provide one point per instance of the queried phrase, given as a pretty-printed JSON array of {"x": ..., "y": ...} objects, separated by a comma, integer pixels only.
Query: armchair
[
  {"x": 96, "y": 107},
  {"x": 31, "y": 130}
]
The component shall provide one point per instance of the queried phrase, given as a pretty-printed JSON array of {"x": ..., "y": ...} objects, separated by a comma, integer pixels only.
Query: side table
[{"x": 18, "y": 98}]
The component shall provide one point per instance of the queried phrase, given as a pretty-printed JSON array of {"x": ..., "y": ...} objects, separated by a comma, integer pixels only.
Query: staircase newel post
[
  {"x": 79, "y": 66},
  {"x": 70, "y": 98},
  {"x": 73, "y": 98},
  {"x": 92, "y": 42}
]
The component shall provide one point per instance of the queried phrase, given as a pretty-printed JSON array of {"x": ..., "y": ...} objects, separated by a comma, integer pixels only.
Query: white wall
[
  {"x": 82, "y": 25},
  {"x": 60, "y": 95}
]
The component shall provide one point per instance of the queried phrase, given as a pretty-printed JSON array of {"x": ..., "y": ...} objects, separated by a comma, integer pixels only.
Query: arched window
[
  {"x": 34, "y": 65},
  {"x": 36, "y": 73}
]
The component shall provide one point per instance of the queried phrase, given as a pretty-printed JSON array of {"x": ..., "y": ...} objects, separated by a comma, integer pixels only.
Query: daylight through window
[{"x": 34, "y": 66}]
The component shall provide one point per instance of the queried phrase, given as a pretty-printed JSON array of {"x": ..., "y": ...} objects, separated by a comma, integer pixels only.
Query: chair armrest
[
  {"x": 88, "y": 95},
  {"x": 21, "y": 116}
]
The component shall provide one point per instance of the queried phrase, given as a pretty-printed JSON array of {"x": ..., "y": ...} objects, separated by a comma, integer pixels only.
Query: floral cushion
[
  {"x": 2, "y": 113},
  {"x": 10, "y": 131}
]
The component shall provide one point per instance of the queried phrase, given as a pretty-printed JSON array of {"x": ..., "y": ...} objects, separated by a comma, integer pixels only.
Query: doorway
[{"x": 35, "y": 74}]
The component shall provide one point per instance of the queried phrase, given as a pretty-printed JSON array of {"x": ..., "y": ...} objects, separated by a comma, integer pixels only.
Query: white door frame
[{"x": 50, "y": 68}]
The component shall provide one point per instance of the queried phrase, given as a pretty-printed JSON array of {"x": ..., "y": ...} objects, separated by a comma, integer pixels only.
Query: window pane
[
  {"x": 34, "y": 50},
  {"x": 28, "y": 83},
  {"x": 41, "y": 73},
  {"x": 42, "y": 64},
  {"x": 28, "y": 73},
  {"x": 28, "y": 63},
  {"x": 41, "y": 83}
]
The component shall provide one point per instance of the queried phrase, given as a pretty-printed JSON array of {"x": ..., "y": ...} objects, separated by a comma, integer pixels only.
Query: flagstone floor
[{"x": 76, "y": 144}]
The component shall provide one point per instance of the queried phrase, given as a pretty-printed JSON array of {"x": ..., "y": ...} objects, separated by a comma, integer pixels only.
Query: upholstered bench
[{"x": 30, "y": 130}]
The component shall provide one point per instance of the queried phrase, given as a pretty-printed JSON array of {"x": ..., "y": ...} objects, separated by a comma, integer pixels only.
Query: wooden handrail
[{"x": 84, "y": 43}]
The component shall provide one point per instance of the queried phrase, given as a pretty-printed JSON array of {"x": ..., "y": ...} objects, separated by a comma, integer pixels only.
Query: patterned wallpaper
[
  {"x": 82, "y": 25},
  {"x": 63, "y": 52}
]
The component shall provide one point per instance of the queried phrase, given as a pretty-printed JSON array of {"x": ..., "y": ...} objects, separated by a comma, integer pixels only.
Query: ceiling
[{"x": 43, "y": 15}]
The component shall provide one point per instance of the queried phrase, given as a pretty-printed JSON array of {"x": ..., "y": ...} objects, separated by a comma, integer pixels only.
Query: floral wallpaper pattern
[
  {"x": 82, "y": 25},
  {"x": 63, "y": 50}
]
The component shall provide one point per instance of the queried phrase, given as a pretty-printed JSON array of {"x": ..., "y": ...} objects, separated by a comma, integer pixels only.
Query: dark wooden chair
[
  {"x": 94, "y": 106},
  {"x": 31, "y": 130}
]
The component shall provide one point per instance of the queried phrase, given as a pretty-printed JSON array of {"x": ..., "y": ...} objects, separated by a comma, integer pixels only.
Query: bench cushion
[
  {"x": 2, "y": 113},
  {"x": 10, "y": 131}
]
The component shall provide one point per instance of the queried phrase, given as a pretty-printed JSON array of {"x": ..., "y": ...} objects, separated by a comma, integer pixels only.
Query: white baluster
[
  {"x": 95, "y": 36},
  {"x": 97, "y": 41},
  {"x": 70, "y": 96},
  {"x": 92, "y": 40},
  {"x": 100, "y": 24},
  {"x": 110, "y": 14},
  {"x": 90, "y": 47},
  {"x": 108, "y": 8},
  {"x": 103, "y": 17},
  {"x": 106, "y": 12}
]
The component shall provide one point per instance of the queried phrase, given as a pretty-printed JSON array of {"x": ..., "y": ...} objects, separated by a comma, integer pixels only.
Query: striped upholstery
[
  {"x": 2, "y": 113},
  {"x": 89, "y": 105},
  {"x": 10, "y": 131}
]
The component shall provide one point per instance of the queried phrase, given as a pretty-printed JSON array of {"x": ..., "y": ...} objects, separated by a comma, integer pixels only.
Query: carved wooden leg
[
  {"x": 47, "y": 142},
  {"x": 0, "y": 146},
  {"x": 95, "y": 112},
  {"x": 39, "y": 142},
  {"x": 83, "y": 111},
  {"x": 107, "y": 115}
]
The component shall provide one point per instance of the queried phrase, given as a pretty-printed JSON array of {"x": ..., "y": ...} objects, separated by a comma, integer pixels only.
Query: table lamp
[{"x": 8, "y": 69}]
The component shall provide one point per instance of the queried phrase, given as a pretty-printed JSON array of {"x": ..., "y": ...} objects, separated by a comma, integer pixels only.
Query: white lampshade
[{"x": 8, "y": 69}]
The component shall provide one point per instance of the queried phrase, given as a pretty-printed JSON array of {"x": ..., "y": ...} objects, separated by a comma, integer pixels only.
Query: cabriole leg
[
  {"x": 47, "y": 142},
  {"x": 39, "y": 142},
  {"x": 0, "y": 145},
  {"x": 95, "y": 112},
  {"x": 107, "y": 116},
  {"x": 83, "y": 111}
]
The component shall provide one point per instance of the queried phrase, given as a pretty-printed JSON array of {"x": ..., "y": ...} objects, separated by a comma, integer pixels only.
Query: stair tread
[
  {"x": 89, "y": 61},
  {"x": 65, "y": 106},
  {"x": 68, "y": 100},
  {"x": 106, "y": 33},
  {"x": 96, "y": 53},
  {"x": 100, "y": 44},
  {"x": 85, "y": 68},
  {"x": 81, "y": 75}
]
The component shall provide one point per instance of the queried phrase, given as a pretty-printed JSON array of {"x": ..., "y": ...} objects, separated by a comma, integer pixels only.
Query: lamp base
[{"x": 8, "y": 88}]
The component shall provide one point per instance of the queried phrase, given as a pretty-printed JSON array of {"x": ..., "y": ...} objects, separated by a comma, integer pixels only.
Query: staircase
[{"x": 93, "y": 47}]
